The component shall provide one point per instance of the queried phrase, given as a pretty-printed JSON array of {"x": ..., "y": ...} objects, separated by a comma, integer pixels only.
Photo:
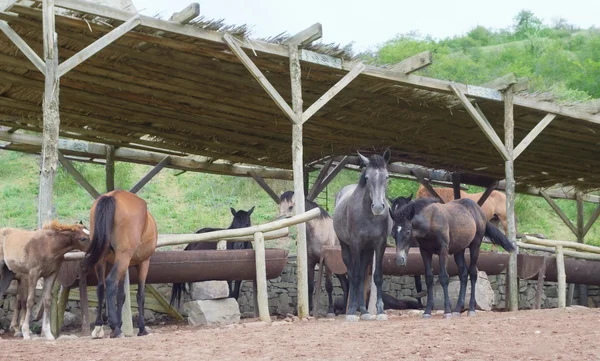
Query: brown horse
[
  {"x": 319, "y": 234},
  {"x": 35, "y": 254},
  {"x": 494, "y": 205},
  {"x": 123, "y": 234}
]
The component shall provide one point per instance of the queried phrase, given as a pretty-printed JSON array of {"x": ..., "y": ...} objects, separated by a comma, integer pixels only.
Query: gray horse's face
[
  {"x": 286, "y": 208},
  {"x": 402, "y": 234},
  {"x": 376, "y": 177}
]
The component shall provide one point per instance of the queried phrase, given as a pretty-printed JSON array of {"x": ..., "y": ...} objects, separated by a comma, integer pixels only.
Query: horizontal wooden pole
[
  {"x": 306, "y": 36},
  {"x": 186, "y": 15},
  {"x": 573, "y": 254},
  {"x": 414, "y": 63},
  {"x": 23, "y": 46},
  {"x": 98, "y": 45},
  {"x": 566, "y": 244}
]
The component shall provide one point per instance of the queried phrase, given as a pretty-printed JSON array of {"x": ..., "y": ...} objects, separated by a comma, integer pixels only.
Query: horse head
[
  {"x": 241, "y": 219},
  {"x": 375, "y": 179},
  {"x": 286, "y": 204},
  {"x": 402, "y": 234}
]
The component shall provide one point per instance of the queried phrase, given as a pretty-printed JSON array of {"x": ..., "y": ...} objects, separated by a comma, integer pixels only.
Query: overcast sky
[{"x": 369, "y": 23}]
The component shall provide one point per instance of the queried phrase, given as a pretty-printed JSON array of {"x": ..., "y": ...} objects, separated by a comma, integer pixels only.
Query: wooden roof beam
[
  {"x": 502, "y": 83},
  {"x": 414, "y": 63},
  {"x": 532, "y": 135},
  {"x": 306, "y": 36},
  {"x": 186, "y": 15},
  {"x": 325, "y": 60},
  {"x": 23, "y": 46}
]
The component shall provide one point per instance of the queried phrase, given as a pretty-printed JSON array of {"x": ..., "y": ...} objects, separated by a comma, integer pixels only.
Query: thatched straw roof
[{"x": 187, "y": 93}]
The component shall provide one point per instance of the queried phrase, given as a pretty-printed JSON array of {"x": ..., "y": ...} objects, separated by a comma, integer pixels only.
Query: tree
[{"x": 527, "y": 24}]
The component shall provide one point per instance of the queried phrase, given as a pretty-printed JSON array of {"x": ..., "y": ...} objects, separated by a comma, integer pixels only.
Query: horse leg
[
  {"x": 351, "y": 260},
  {"x": 142, "y": 269},
  {"x": 419, "y": 287},
  {"x": 344, "y": 284},
  {"x": 378, "y": 279},
  {"x": 47, "y": 302},
  {"x": 100, "y": 269},
  {"x": 237, "y": 284},
  {"x": 474, "y": 252},
  {"x": 427, "y": 262},
  {"x": 366, "y": 258},
  {"x": 311, "y": 285},
  {"x": 32, "y": 280},
  {"x": 459, "y": 258},
  {"x": 21, "y": 306},
  {"x": 329, "y": 288},
  {"x": 120, "y": 302},
  {"x": 444, "y": 281},
  {"x": 112, "y": 285}
]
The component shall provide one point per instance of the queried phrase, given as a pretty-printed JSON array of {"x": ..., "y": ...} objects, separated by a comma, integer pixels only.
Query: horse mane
[
  {"x": 55, "y": 225},
  {"x": 376, "y": 162},
  {"x": 415, "y": 207},
  {"x": 288, "y": 196}
]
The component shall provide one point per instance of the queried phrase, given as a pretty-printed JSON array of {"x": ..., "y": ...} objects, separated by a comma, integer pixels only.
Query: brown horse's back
[{"x": 134, "y": 230}]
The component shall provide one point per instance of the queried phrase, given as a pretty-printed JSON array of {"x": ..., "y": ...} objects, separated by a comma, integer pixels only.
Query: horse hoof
[
  {"x": 351, "y": 318},
  {"x": 471, "y": 313},
  {"x": 49, "y": 337},
  {"x": 26, "y": 336},
  {"x": 120, "y": 335},
  {"x": 382, "y": 317},
  {"x": 331, "y": 315},
  {"x": 98, "y": 332},
  {"x": 366, "y": 317},
  {"x": 447, "y": 316},
  {"x": 427, "y": 315},
  {"x": 457, "y": 314},
  {"x": 142, "y": 333},
  {"x": 18, "y": 334}
]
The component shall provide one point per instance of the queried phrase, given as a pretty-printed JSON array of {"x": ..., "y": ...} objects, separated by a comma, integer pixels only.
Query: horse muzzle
[
  {"x": 378, "y": 210},
  {"x": 401, "y": 258}
]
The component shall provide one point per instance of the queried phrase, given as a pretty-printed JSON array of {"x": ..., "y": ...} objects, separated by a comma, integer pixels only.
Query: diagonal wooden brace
[
  {"x": 533, "y": 134},
  {"x": 148, "y": 177},
  {"x": 78, "y": 176},
  {"x": 23, "y": 46}
]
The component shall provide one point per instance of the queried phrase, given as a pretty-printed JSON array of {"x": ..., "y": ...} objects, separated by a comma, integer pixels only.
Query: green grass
[{"x": 187, "y": 202}]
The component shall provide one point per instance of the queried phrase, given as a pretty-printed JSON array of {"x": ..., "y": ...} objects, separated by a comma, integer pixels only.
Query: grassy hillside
[{"x": 185, "y": 203}]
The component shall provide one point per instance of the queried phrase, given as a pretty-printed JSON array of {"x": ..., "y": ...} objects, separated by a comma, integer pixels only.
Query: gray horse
[
  {"x": 362, "y": 223},
  {"x": 319, "y": 234}
]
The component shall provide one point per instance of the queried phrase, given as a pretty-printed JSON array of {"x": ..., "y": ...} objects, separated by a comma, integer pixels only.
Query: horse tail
[
  {"x": 497, "y": 237},
  {"x": 104, "y": 220},
  {"x": 176, "y": 292}
]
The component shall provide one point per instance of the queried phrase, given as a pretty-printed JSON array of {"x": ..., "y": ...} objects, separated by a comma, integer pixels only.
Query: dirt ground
[{"x": 571, "y": 334}]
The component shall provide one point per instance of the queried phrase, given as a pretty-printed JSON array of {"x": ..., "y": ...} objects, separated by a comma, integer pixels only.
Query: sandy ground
[{"x": 571, "y": 334}]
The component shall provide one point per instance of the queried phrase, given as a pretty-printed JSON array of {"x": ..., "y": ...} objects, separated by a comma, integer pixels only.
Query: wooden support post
[
  {"x": 78, "y": 176},
  {"x": 509, "y": 126},
  {"x": 561, "y": 277},
  {"x": 539, "y": 291},
  {"x": 582, "y": 289},
  {"x": 487, "y": 193},
  {"x": 110, "y": 168},
  {"x": 317, "y": 299},
  {"x": 126, "y": 317},
  {"x": 298, "y": 168},
  {"x": 261, "y": 277},
  {"x": 322, "y": 174},
  {"x": 54, "y": 319},
  {"x": 83, "y": 301},
  {"x": 456, "y": 185},
  {"x": 49, "y": 161},
  {"x": 255, "y": 298},
  {"x": 313, "y": 194},
  {"x": 148, "y": 177},
  {"x": 62, "y": 299},
  {"x": 261, "y": 182},
  {"x": 427, "y": 186}
]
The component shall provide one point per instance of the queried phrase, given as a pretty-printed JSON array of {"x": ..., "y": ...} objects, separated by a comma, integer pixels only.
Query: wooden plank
[
  {"x": 50, "y": 105},
  {"x": 590, "y": 106},
  {"x": 456, "y": 185},
  {"x": 126, "y": 313},
  {"x": 261, "y": 278},
  {"x": 148, "y": 177},
  {"x": 110, "y": 168},
  {"x": 533, "y": 134},
  {"x": 98, "y": 45},
  {"x": 486, "y": 194},
  {"x": 591, "y": 221},
  {"x": 78, "y": 176},
  {"x": 484, "y": 125},
  {"x": 23, "y": 46},
  {"x": 298, "y": 169},
  {"x": 312, "y": 193},
  {"x": 559, "y": 212},
  {"x": 509, "y": 125},
  {"x": 186, "y": 15},
  {"x": 561, "y": 277},
  {"x": 83, "y": 301},
  {"x": 306, "y": 36},
  {"x": 261, "y": 182},
  {"x": 332, "y": 92},
  {"x": 539, "y": 290},
  {"x": 565, "y": 244},
  {"x": 157, "y": 296},
  {"x": 501, "y": 83},
  {"x": 573, "y": 254},
  {"x": 427, "y": 186},
  {"x": 54, "y": 310},
  {"x": 63, "y": 298},
  {"x": 414, "y": 63},
  {"x": 258, "y": 75}
]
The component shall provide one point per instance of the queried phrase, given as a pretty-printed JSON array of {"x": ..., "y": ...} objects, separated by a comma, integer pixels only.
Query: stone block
[
  {"x": 209, "y": 290},
  {"x": 213, "y": 312},
  {"x": 484, "y": 295}
]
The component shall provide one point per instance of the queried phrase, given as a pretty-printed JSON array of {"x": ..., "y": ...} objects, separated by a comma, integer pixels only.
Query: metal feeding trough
[{"x": 191, "y": 266}]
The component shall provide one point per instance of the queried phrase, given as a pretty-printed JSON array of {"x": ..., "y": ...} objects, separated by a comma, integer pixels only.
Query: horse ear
[
  {"x": 410, "y": 197},
  {"x": 232, "y": 211},
  {"x": 81, "y": 222},
  {"x": 363, "y": 160},
  {"x": 250, "y": 211},
  {"x": 387, "y": 155}
]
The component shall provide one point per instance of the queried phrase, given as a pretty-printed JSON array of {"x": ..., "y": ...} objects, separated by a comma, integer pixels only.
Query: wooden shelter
[{"x": 200, "y": 95}]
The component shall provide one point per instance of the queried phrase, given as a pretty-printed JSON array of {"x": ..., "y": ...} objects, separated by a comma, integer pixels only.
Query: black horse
[
  {"x": 241, "y": 219},
  {"x": 445, "y": 229}
]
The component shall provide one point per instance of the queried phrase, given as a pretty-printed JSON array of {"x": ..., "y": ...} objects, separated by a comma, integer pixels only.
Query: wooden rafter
[
  {"x": 261, "y": 182},
  {"x": 414, "y": 63},
  {"x": 22, "y": 45},
  {"x": 427, "y": 186},
  {"x": 486, "y": 193},
  {"x": 148, "y": 177},
  {"x": 560, "y": 212},
  {"x": 78, "y": 176},
  {"x": 322, "y": 174},
  {"x": 306, "y": 36}
]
